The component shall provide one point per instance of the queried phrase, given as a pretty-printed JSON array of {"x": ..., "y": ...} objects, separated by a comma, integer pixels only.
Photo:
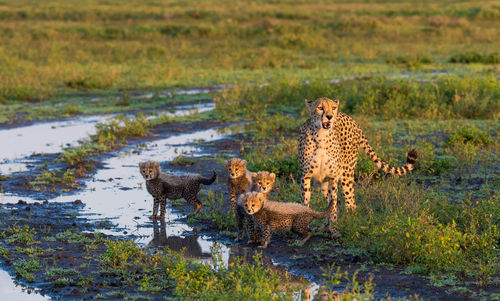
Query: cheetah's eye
[
  {"x": 144, "y": 171},
  {"x": 253, "y": 205},
  {"x": 320, "y": 108}
]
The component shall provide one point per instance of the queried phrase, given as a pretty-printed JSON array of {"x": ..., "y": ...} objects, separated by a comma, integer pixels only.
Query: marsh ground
[{"x": 421, "y": 75}]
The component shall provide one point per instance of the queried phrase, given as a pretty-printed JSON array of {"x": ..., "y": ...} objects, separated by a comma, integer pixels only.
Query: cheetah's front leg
[
  {"x": 233, "y": 203},
  {"x": 156, "y": 203},
  {"x": 253, "y": 234},
  {"x": 266, "y": 236},
  {"x": 162, "y": 207},
  {"x": 306, "y": 188},
  {"x": 333, "y": 197}
]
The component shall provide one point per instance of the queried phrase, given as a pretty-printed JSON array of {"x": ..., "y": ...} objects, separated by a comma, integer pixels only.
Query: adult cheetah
[{"x": 328, "y": 151}]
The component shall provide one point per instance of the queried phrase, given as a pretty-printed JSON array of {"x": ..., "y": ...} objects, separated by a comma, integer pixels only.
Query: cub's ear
[
  {"x": 336, "y": 100},
  {"x": 307, "y": 101},
  {"x": 273, "y": 176},
  {"x": 156, "y": 164},
  {"x": 226, "y": 163},
  {"x": 243, "y": 162},
  {"x": 253, "y": 175},
  {"x": 141, "y": 164}
]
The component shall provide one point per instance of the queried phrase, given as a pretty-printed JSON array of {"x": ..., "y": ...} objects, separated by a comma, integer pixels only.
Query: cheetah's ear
[
  {"x": 226, "y": 163},
  {"x": 141, "y": 164},
  {"x": 156, "y": 164},
  {"x": 307, "y": 101},
  {"x": 254, "y": 175},
  {"x": 273, "y": 176},
  {"x": 243, "y": 162},
  {"x": 336, "y": 100}
]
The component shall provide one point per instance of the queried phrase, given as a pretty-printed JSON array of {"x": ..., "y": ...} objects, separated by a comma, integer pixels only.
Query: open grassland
[
  {"x": 442, "y": 218},
  {"x": 52, "y": 46},
  {"x": 419, "y": 75}
]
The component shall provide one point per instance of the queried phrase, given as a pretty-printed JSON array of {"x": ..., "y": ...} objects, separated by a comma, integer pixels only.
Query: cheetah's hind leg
[{"x": 197, "y": 205}]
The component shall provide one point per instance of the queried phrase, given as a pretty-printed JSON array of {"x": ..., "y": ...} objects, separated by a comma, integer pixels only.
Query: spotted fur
[
  {"x": 164, "y": 186},
  {"x": 272, "y": 216},
  {"x": 328, "y": 151},
  {"x": 239, "y": 179},
  {"x": 262, "y": 181}
]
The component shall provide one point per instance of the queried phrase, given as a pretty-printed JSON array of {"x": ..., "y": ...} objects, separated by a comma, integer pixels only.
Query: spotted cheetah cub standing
[
  {"x": 271, "y": 216},
  {"x": 240, "y": 179},
  {"x": 328, "y": 151},
  {"x": 164, "y": 186},
  {"x": 262, "y": 181}
]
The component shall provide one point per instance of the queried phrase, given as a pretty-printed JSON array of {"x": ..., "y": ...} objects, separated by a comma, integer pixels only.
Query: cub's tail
[
  {"x": 327, "y": 212},
  {"x": 411, "y": 158},
  {"x": 208, "y": 181}
]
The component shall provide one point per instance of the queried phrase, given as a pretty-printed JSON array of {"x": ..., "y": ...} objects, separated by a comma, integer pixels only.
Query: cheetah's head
[
  {"x": 235, "y": 167},
  {"x": 264, "y": 180},
  {"x": 149, "y": 170},
  {"x": 323, "y": 111},
  {"x": 253, "y": 201}
]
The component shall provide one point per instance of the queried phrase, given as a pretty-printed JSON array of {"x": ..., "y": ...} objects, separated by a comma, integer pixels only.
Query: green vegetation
[
  {"x": 161, "y": 270},
  {"x": 24, "y": 268},
  {"x": 445, "y": 97},
  {"x": 431, "y": 220},
  {"x": 423, "y": 75},
  {"x": 142, "y": 44},
  {"x": 19, "y": 235}
]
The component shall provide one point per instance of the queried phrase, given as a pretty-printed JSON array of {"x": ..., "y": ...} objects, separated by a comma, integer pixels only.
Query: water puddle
[
  {"x": 10, "y": 291},
  {"x": 191, "y": 91},
  {"x": 117, "y": 193},
  {"x": 51, "y": 137}
]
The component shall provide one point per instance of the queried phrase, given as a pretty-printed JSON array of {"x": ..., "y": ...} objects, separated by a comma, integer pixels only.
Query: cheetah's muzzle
[{"x": 326, "y": 125}]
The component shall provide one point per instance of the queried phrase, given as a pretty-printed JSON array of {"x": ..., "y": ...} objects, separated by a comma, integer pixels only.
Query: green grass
[
  {"x": 160, "y": 44},
  {"x": 444, "y": 97},
  {"x": 431, "y": 220},
  {"x": 165, "y": 269}
]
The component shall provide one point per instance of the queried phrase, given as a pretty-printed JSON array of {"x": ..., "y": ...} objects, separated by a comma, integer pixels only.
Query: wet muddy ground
[{"x": 114, "y": 201}]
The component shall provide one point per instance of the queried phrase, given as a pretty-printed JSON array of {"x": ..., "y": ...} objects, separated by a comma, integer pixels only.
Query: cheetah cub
[
  {"x": 271, "y": 216},
  {"x": 240, "y": 179},
  {"x": 164, "y": 186},
  {"x": 262, "y": 181}
]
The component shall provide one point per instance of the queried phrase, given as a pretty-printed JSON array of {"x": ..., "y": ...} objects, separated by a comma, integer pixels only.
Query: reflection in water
[{"x": 189, "y": 244}]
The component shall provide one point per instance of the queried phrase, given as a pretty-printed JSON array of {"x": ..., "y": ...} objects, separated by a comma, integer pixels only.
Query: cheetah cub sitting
[
  {"x": 271, "y": 216},
  {"x": 262, "y": 181},
  {"x": 164, "y": 186}
]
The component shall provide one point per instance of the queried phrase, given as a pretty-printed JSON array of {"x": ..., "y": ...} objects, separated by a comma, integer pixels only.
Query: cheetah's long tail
[
  {"x": 399, "y": 171},
  {"x": 208, "y": 181}
]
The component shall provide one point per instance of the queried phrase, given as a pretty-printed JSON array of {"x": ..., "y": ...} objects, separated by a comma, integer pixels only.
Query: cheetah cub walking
[
  {"x": 271, "y": 216},
  {"x": 164, "y": 186},
  {"x": 328, "y": 151},
  {"x": 262, "y": 181}
]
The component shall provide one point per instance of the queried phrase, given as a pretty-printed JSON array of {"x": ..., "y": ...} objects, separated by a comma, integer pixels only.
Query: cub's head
[
  {"x": 263, "y": 181},
  {"x": 235, "y": 167},
  {"x": 253, "y": 201},
  {"x": 323, "y": 111},
  {"x": 150, "y": 169}
]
